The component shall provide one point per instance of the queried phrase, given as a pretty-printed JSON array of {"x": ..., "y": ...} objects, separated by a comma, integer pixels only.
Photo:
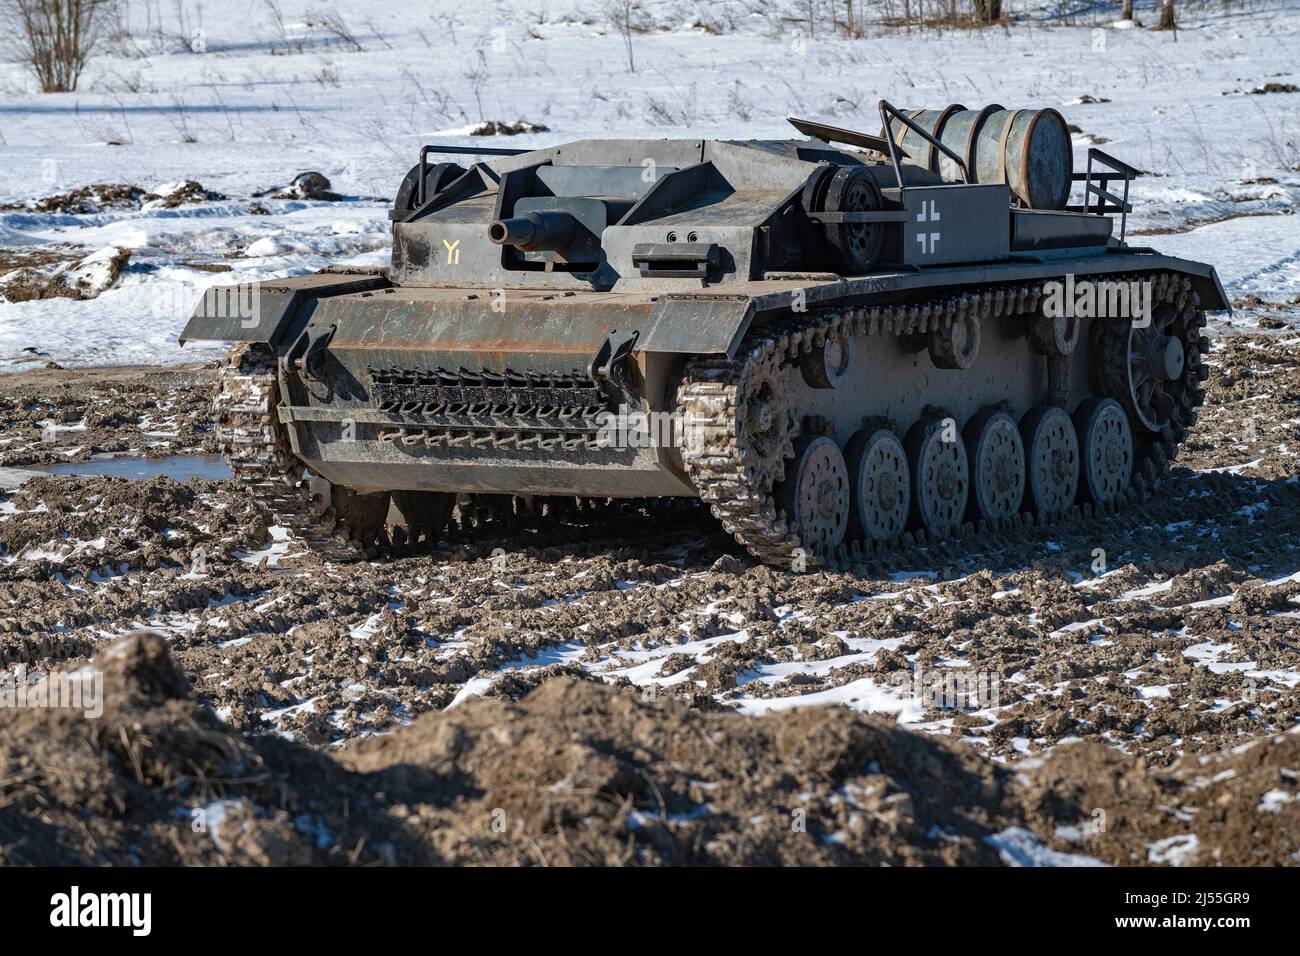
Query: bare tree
[
  {"x": 1126, "y": 10},
  {"x": 988, "y": 11},
  {"x": 623, "y": 15},
  {"x": 56, "y": 37},
  {"x": 1167, "y": 21}
]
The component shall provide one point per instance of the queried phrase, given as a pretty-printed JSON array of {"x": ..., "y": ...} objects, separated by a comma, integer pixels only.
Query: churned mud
[
  {"x": 54, "y": 415},
  {"x": 579, "y": 772},
  {"x": 1122, "y": 691}
]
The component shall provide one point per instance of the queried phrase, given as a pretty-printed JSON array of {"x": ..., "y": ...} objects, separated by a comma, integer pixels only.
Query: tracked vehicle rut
[{"x": 843, "y": 345}]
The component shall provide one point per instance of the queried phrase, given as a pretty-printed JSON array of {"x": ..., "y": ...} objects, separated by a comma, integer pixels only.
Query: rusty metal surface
[
  {"x": 375, "y": 465},
  {"x": 478, "y": 328},
  {"x": 265, "y": 311},
  {"x": 555, "y": 328}
]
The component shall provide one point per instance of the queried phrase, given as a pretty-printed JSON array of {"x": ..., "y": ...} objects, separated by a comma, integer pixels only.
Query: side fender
[{"x": 268, "y": 311}]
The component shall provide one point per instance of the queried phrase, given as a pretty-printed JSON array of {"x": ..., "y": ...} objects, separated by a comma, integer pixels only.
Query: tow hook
[{"x": 611, "y": 359}]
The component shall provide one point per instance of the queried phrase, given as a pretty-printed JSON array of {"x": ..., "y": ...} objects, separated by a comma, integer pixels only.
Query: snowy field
[{"x": 352, "y": 90}]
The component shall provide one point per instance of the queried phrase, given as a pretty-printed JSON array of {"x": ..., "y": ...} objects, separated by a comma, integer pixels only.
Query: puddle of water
[{"x": 177, "y": 467}]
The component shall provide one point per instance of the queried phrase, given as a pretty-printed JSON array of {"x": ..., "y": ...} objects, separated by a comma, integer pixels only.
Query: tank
[{"x": 840, "y": 342}]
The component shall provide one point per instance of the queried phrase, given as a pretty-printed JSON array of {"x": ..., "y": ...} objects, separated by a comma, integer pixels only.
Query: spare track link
[{"x": 738, "y": 488}]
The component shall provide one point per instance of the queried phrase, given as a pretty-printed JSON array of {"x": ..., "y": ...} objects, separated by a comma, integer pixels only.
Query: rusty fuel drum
[
  {"x": 1028, "y": 150},
  {"x": 837, "y": 341}
]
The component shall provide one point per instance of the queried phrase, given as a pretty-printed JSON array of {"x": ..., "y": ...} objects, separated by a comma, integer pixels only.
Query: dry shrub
[{"x": 56, "y": 37}]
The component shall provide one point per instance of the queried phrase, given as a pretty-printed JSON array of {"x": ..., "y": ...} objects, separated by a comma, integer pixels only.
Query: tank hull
[
  {"x": 338, "y": 428},
  {"x": 831, "y": 348}
]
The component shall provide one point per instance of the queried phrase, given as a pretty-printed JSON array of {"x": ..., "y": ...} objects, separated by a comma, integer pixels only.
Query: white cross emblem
[{"x": 929, "y": 240}]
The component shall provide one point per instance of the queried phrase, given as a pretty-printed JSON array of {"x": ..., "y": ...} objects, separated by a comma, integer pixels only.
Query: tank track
[
  {"x": 736, "y": 479},
  {"x": 257, "y": 450}
]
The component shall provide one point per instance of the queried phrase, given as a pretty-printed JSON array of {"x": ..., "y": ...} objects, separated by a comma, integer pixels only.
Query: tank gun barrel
[{"x": 535, "y": 231}]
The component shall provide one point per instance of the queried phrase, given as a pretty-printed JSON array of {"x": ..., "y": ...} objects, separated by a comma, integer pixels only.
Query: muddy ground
[
  {"x": 1121, "y": 691},
  {"x": 52, "y": 415}
]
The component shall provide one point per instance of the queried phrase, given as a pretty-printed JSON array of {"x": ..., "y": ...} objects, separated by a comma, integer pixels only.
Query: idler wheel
[
  {"x": 1144, "y": 368},
  {"x": 956, "y": 344},
  {"x": 880, "y": 485},
  {"x": 936, "y": 458},
  {"x": 1106, "y": 449},
  {"x": 815, "y": 493},
  {"x": 997, "y": 466},
  {"x": 1051, "y": 460}
]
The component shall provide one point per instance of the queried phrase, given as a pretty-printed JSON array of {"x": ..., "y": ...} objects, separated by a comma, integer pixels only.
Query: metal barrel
[
  {"x": 535, "y": 231},
  {"x": 1029, "y": 150}
]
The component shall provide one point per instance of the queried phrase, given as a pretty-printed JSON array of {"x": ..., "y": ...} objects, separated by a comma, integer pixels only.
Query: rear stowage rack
[{"x": 1097, "y": 183}]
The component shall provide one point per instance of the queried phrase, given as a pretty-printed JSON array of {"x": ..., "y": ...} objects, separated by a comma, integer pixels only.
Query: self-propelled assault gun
[{"x": 865, "y": 338}]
